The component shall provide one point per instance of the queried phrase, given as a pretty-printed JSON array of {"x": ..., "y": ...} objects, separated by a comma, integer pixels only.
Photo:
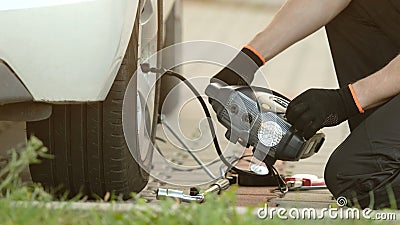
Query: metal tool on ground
[{"x": 194, "y": 196}]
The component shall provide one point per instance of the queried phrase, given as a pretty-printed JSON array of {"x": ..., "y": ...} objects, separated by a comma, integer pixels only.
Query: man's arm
[
  {"x": 293, "y": 22},
  {"x": 318, "y": 108},
  {"x": 380, "y": 86}
]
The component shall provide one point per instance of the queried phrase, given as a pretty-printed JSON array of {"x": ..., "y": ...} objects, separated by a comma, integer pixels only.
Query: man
[{"x": 364, "y": 37}]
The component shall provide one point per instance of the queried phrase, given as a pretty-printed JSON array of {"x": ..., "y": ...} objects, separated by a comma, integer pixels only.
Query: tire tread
[{"x": 87, "y": 140}]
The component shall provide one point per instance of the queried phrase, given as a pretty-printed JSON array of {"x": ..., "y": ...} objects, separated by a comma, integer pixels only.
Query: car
[{"x": 65, "y": 67}]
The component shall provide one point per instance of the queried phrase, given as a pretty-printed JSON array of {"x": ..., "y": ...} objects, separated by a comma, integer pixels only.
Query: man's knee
[
  {"x": 330, "y": 174},
  {"x": 348, "y": 169},
  {"x": 352, "y": 171}
]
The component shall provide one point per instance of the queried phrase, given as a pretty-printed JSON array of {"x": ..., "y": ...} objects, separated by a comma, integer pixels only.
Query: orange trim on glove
[
  {"x": 353, "y": 93},
  {"x": 255, "y": 52}
]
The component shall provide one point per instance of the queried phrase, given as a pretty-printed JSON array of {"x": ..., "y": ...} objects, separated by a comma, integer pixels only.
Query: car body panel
[
  {"x": 66, "y": 51},
  {"x": 71, "y": 50}
]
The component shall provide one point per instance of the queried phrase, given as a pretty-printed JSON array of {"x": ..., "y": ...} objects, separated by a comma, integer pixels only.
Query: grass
[{"x": 22, "y": 203}]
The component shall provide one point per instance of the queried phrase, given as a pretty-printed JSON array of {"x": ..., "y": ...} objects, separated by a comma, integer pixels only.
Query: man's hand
[
  {"x": 318, "y": 108},
  {"x": 241, "y": 70}
]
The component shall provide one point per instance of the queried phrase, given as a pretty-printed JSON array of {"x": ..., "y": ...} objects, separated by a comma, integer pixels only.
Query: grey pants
[{"x": 365, "y": 168}]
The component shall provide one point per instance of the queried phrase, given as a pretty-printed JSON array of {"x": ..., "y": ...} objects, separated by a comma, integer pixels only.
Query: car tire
[{"x": 91, "y": 156}]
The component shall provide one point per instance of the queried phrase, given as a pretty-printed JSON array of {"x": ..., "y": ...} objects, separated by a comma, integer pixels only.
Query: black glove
[
  {"x": 241, "y": 70},
  {"x": 318, "y": 108}
]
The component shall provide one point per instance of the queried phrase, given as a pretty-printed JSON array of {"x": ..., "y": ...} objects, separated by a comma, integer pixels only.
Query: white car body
[{"x": 71, "y": 50}]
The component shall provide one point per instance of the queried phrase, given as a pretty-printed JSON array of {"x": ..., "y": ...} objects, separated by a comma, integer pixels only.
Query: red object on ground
[{"x": 301, "y": 180}]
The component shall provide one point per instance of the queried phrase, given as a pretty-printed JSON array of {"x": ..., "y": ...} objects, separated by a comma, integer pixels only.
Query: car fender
[{"x": 66, "y": 50}]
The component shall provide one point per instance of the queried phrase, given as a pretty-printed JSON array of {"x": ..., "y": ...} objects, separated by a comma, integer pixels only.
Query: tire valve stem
[{"x": 146, "y": 68}]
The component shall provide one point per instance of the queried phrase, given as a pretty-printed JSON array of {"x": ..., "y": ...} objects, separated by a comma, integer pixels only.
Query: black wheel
[{"x": 87, "y": 140}]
